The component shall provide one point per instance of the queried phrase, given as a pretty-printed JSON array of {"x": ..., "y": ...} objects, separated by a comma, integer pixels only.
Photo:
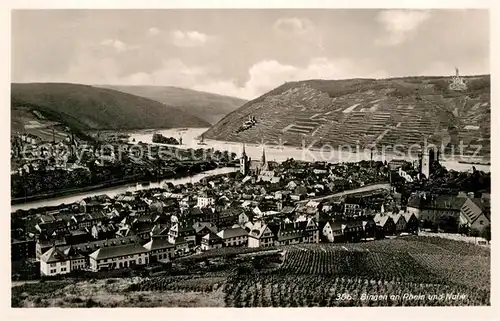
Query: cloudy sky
[{"x": 243, "y": 53}]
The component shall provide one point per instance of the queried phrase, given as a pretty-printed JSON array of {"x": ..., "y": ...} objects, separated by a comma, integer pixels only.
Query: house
[
  {"x": 261, "y": 236},
  {"x": 228, "y": 217},
  {"x": 43, "y": 246},
  {"x": 160, "y": 249},
  {"x": 22, "y": 249},
  {"x": 333, "y": 232},
  {"x": 30, "y": 138},
  {"x": 54, "y": 262},
  {"x": 311, "y": 232},
  {"x": 102, "y": 232},
  {"x": 290, "y": 233},
  {"x": 472, "y": 215},
  {"x": 76, "y": 259},
  {"x": 184, "y": 231},
  {"x": 399, "y": 221},
  {"x": 235, "y": 236},
  {"x": 412, "y": 223},
  {"x": 77, "y": 236},
  {"x": 446, "y": 211},
  {"x": 245, "y": 217},
  {"x": 353, "y": 230},
  {"x": 118, "y": 257},
  {"x": 395, "y": 164},
  {"x": 211, "y": 241},
  {"x": 291, "y": 185},
  {"x": 160, "y": 230},
  {"x": 203, "y": 228},
  {"x": 182, "y": 246},
  {"x": 386, "y": 223},
  {"x": 352, "y": 209},
  {"x": 369, "y": 228},
  {"x": 206, "y": 198},
  {"x": 268, "y": 176}
]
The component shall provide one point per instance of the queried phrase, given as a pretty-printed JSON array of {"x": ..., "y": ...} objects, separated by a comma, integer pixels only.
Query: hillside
[
  {"x": 207, "y": 106},
  {"x": 378, "y": 113},
  {"x": 83, "y": 108}
]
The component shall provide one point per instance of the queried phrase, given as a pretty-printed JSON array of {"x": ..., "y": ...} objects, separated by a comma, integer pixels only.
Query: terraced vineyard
[
  {"x": 372, "y": 112},
  {"x": 400, "y": 272},
  {"x": 272, "y": 290}
]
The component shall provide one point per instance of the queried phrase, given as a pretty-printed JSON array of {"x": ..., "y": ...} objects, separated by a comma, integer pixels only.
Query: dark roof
[
  {"x": 116, "y": 251},
  {"x": 444, "y": 202},
  {"x": 158, "y": 243},
  {"x": 201, "y": 225},
  {"x": 92, "y": 246},
  {"x": 397, "y": 161},
  {"x": 212, "y": 236},
  {"x": 335, "y": 226},
  {"x": 232, "y": 232},
  {"x": 289, "y": 236},
  {"x": 231, "y": 212},
  {"x": 288, "y": 209},
  {"x": 54, "y": 255}
]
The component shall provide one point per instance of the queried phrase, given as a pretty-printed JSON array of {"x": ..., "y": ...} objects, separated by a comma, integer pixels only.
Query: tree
[
  {"x": 486, "y": 233},
  {"x": 464, "y": 229}
]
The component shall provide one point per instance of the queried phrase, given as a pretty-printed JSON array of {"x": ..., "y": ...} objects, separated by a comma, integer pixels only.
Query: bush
[{"x": 90, "y": 303}]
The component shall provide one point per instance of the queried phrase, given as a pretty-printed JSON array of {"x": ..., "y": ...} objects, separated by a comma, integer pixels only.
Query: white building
[
  {"x": 234, "y": 236},
  {"x": 160, "y": 249},
  {"x": 117, "y": 257},
  {"x": 211, "y": 241},
  {"x": 54, "y": 262},
  {"x": 261, "y": 237},
  {"x": 206, "y": 199}
]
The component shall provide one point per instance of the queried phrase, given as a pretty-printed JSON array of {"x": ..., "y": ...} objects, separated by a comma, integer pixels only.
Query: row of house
[{"x": 460, "y": 210}]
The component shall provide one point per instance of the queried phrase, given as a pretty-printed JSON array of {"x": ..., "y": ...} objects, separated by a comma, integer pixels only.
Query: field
[
  {"x": 386, "y": 273},
  {"x": 409, "y": 271}
]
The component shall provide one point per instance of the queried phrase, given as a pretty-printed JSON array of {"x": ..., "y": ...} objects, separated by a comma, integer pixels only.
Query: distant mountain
[
  {"x": 83, "y": 108},
  {"x": 378, "y": 113},
  {"x": 207, "y": 106}
]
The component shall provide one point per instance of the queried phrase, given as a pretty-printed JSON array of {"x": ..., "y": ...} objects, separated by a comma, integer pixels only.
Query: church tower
[
  {"x": 244, "y": 163},
  {"x": 426, "y": 164},
  {"x": 263, "y": 162}
]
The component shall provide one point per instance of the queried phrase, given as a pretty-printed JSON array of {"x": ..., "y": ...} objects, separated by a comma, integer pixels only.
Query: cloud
[
  {"x": 300, "y": 27},
  {"x": 296, "y": 26},
  {"x": 268, "y": 74},
  {"x": 188, "y": 39},
  {"x": 117, "y": 45},
  {"x": 172, "y": 72},
  {"x": 153, "y": 31},
  {"x": 400, "y": 24}
]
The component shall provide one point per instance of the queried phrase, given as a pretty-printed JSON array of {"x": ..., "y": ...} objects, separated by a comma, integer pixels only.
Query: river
[
  {"x": 189, "y": 138},
  {"x": 113, "y": 191},
  {"x": 272, "y": 153}
]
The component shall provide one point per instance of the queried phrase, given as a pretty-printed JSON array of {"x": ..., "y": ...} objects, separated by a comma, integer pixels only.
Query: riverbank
[
  {"x": 77, "y": 190},
  {"x": 72, "y": 191},
  {"x": 112, "y": 191}
]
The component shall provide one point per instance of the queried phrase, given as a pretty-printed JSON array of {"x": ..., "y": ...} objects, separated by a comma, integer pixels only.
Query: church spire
[
  {"x": 263, "y": 163},
  {"x": 243, "y": 153}
]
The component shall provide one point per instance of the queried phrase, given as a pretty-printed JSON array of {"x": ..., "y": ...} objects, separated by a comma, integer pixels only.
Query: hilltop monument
[{"x": 457, "y": 82}]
